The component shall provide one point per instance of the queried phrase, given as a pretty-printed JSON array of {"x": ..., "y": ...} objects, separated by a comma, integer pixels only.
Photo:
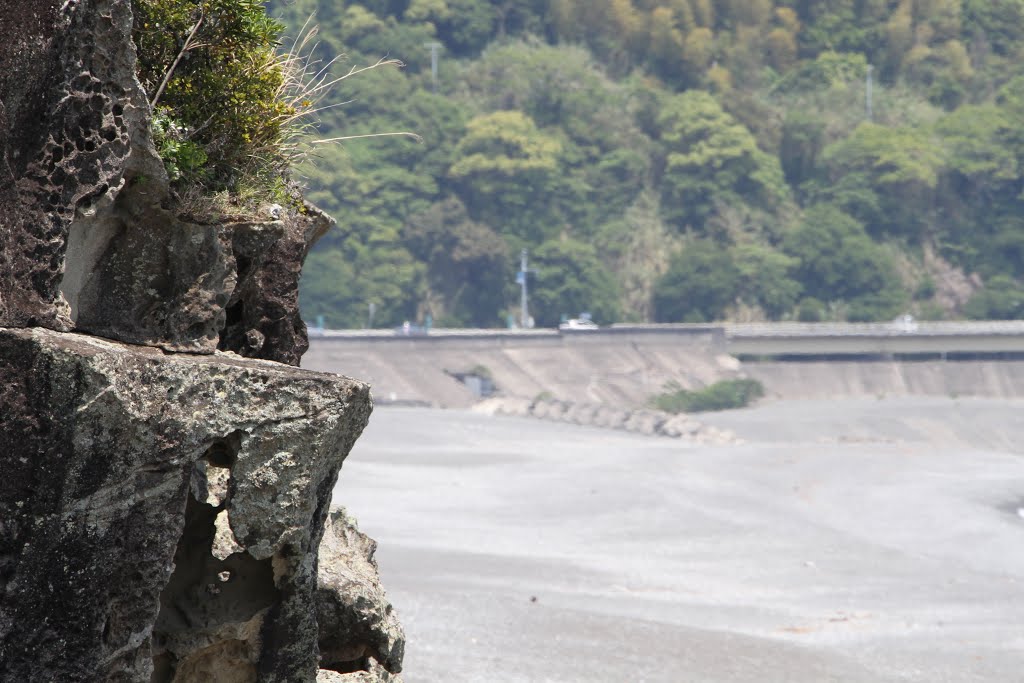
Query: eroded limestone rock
[
  {"x": 359, "y": 628},
  {"x": 376, "y": 674},
  {"x": 263, "y": 318},
  {"x": 93, "y": 236},
  {"x": 160, "y": 514},
  {"x": 67, "y": 81}
]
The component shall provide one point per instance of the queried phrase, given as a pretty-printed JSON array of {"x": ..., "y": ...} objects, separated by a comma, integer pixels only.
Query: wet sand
[{"x": 851, "y": 540}]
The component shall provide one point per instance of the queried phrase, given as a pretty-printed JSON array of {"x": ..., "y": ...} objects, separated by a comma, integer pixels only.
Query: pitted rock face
[
  {"x": 263, "y": 318},
  {"x": 67, "y": 72},
  {"x": 91, "y": 236},
  {"x": 160, "y": 514}
]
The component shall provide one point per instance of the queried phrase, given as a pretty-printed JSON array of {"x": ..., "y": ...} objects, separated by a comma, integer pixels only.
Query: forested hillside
[{"x": 670, "y": 160}]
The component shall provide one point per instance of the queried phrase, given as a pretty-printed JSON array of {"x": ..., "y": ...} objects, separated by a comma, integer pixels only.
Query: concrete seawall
[
  {"x": 621, "y": 368},
  {"x": 625, "y": 366},
  {"x": 840, "y": 379}
]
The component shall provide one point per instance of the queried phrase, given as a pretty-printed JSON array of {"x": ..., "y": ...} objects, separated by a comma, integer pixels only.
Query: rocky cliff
[{"x": 167, "y": 471}]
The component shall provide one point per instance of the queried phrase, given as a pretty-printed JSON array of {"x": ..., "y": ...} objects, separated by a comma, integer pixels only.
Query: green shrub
[
  {"x": 811, "y": 311},
  {"x": 1001, "y": 299},
  {"x": 724, "y": 395},
  {"x": 182, "y": 157},
  {"x": 212, "y": 68}
]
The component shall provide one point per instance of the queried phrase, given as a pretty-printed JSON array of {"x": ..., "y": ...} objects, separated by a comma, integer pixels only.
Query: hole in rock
[
  {"x": 234, "y": 313},
  {"x": 198, "y": 608},
  {"x": 223, "y": 452}
]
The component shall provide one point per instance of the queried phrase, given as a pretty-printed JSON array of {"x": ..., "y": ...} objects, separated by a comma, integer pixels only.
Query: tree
[
  {"x": 837, "y": 261},
  {"x": 466, "y": 265},
  {"x": 604, "y": 159},
  {"x": 766, "y": 279},
  {"x": 900, "y": 166},
  {"x": 640, "y": 245},
  {"x": 1001, "y": 299},
  {"x": 1001, "y": 22},
  {"x": 468, "y": 27},
  {"x": 341, "y": 284},
  {"x": 980, "y": 140},
  {"x": 571, "y": 280},
  {"x": 701, "y": 282},
  {"x": 711, "y": 158},
  {"x": 803, "y": 139},
  {"x": 503, "y": 170}
]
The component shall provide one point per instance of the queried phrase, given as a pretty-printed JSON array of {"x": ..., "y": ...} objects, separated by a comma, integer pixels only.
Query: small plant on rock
[{"x": 231, "y": 111}]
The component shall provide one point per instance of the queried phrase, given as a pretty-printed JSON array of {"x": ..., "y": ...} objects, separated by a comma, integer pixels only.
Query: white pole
[{"x": 524, "y": 319}]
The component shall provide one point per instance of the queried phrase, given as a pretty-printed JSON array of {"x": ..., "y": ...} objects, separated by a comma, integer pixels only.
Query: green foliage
[
  {"x": 803, "y": 139},
  {"x": 341, "y": 284},
  {"x": 716, "y": 154},
  {"x": 1001, "y": 299},
  {"x": 701, "y": 282},
  {"x": 181, "y": 156},
  {"x": 221, "y": 80},
  {"x": 886, "y": 177},
  {"x": 1001, "y": 22},
  {"x": 811, "y": 310},
  {"x": 838, "y": 261},
  {"x": 766, "y": 279},
  {"x": 468, "y": 26},
  {"x": 570, "y": 280},
  {"x": 710, "y": 159},
  {"x": 504, "y": 167},
  {"x": 831, "y": 70},
  {"x": 604, "y": 158},
  {"x": 725, "y": 395},
  {"x": 467, "y": 264}
]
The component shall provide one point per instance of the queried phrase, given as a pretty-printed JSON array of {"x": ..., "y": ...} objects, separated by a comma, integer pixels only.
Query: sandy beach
[{"x": 849, "y": 540}]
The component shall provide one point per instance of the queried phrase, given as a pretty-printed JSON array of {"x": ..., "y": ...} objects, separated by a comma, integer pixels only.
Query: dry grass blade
[{"x": 305, "y": 83}]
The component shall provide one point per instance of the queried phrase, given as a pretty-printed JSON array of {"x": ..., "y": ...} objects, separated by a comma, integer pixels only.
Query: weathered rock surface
[
  {"x": 93, "y": 238},
  {"x": 263, "y": 318},
  {"x": 160, "y": 514},
  {"x": 143, "y": 272},
  {"x": 376, "y": 674},
  {"x": 66, "y": 75},
  {"x": 359, "y": 628}
]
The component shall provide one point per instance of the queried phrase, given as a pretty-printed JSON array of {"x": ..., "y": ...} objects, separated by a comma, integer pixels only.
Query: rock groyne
[{"x": 636, "y": 420}]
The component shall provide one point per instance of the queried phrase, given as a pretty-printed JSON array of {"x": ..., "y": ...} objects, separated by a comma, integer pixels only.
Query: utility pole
[
  {"x": 524, "y": 310},
  {"x": 434, "y": 48},
  {"x": 867, "y": 92}
]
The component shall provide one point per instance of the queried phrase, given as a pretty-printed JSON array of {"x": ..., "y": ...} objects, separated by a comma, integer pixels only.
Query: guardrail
[{"x": 900, "y": 338}]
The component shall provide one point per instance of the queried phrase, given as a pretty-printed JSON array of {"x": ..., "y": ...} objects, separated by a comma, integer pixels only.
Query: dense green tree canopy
[
  {"x": 570, "y": 280},
  {"x": 701, "y": 283},
  {"x": 712, "y": 159},
  {"x": 668, "y": 159}
]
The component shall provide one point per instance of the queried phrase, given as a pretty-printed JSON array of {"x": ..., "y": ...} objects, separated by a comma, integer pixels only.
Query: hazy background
[{"x": 669, "y": 160}]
